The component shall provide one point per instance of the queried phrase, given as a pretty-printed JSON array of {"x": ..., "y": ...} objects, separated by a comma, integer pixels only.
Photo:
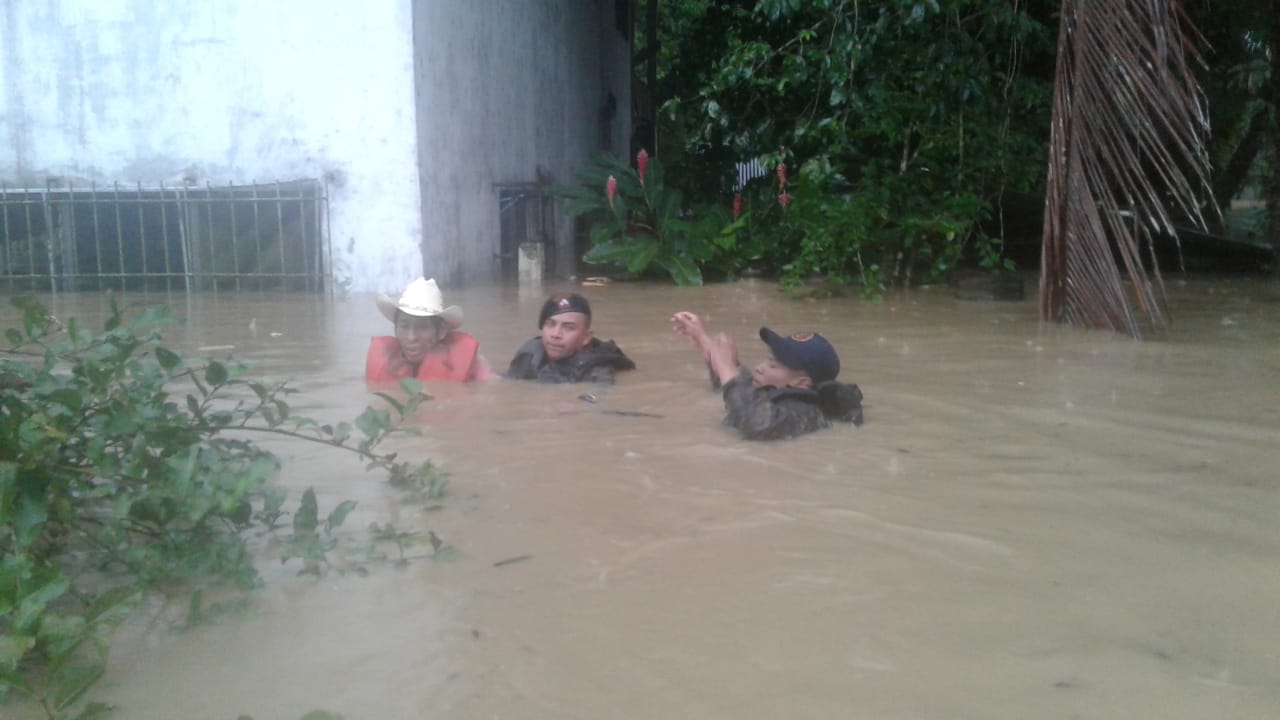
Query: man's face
[
  {"x": 417, "y": 335},
  {"x": 772, "y": 373},
  {"x": 565, "y": 334}
]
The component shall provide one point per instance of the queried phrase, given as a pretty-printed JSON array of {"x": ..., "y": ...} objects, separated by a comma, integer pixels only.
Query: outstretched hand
[
  {"x": 690, "y": 325},
  {"x": 720, "y": 352}
]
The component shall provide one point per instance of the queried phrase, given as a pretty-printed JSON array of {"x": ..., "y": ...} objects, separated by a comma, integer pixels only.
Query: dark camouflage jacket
[
  {"x": 594, "y": 363},
  {"x": 771, "y": 413}
]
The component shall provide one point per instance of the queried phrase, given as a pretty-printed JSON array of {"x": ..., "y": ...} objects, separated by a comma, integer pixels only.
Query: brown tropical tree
[{"x": 1127, "y": 156}]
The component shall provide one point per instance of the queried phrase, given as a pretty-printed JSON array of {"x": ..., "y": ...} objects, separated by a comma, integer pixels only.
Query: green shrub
[
  {"x": 125, "y": 472},
  {"x": 637, "y": 223},
  {"x": 877, "y": 235}
]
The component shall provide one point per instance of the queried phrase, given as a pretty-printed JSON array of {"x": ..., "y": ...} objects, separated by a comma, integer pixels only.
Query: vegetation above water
[
  {"x": 886, "y": 135},
  {"x": 891, "y": 138},
  {"x": 128, "y": 473}
]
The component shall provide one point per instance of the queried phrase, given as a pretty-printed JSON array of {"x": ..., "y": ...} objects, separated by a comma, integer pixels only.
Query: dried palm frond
[{"x": 1127, "y": 149}]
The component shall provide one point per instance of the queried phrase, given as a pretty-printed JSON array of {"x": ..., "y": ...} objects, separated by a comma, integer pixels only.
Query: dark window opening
[{"x": 525, "y": 216}]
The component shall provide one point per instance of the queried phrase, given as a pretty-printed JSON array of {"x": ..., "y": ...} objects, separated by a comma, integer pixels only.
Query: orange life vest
[{"x": 453, "y": 359}]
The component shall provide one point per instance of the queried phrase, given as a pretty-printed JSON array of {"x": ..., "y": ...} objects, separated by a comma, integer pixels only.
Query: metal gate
[
  {"x": 252, "y": 237},
  {"x": 526, "y": 215}
]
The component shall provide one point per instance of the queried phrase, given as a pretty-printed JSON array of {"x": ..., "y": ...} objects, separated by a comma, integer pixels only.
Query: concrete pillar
[{"x": 530, "y": 265}]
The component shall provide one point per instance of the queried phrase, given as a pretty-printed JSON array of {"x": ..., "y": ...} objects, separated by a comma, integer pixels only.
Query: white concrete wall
[
  {"x": 503, "y": 87},
  {"x": 230, "y": 91}
]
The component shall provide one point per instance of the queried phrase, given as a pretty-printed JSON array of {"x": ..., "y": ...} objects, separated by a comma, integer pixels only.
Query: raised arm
[
  {"x": 690, "y": 325},
  {"x": 719, "y": 352},
  {"x": 722, "y": 358}
]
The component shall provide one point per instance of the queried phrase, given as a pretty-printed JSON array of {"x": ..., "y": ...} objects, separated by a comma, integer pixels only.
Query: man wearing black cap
[
  {"x": 792, "y": 392},
  {"x": 565, "y": 351}
]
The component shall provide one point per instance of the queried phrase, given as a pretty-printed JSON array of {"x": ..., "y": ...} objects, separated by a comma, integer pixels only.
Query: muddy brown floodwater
[{"x": 1034, "y": 522}]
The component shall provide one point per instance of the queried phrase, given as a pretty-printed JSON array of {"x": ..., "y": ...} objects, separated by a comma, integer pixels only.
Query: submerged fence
[
  {"x": 251, "y": 237},
  {"x": 526, "y": 216}
]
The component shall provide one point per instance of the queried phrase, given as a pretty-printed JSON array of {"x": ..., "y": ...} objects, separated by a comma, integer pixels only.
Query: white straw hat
[{"x": 421, "y": 299}]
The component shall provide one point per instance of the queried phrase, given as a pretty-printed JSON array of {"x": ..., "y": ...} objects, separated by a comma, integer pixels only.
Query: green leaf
[
  {"x": 260, "y": 390},
  {"x": 582, "y": 206},
  {"x": 698, "y": 249},
  {"x": 69, "y": 398},
  {"x": 436, "y": 489},
  {"x": 642, "y": 255},
  {"x": 606, "y": 232},
  {"x": 373, "y": 421},
  {"x": 399, "y": 406},
  {"x": 62, "y": 636},
  {"x": 14, "y": 679},
  {"x": 74, "y": 681},
  {"x": 339, "y": 515},
  {"x": 619, "y": 209},
  {"x": 342, "y": 432},
  {"x": 13, "y": 647},
  {"x": 112, "y": 606},
  {"x": 306, "y": 518},
  {"x": 668, "y": 207},
  {"x": 609, "y": 253},
  {"x": 29, "y": 517},
  {"x": 216, "y": 373},
  {"x": 8, "y": 488},
  {"x": 683, "y": 270},
  {"x": 167, "y": 359}
]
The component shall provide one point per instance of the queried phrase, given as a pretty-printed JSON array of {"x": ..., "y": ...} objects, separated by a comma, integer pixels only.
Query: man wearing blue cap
[
  {"x": 792, "y": 392},
  {"x": 565, "y": 350}
]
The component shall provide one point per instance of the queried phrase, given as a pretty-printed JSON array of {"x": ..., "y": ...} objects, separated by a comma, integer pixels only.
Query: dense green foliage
[
  {"x": 127, "y": 471},
  {"x": 1242, "y": 81},
  {"x": 904, "y": 123}
]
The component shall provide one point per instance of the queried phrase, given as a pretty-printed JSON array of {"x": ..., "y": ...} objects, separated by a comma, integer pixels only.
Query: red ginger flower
[
  {"x": 784, "y": 200},
  {"x": 642, "y": 163},
  {"x": 611, "y": 189},
  {"x": 782, "y": 176},
  {"x": 737, "y": 205}
]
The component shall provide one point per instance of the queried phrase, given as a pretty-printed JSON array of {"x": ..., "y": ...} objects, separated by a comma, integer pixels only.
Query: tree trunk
[{"x": 1236, "y": 172}]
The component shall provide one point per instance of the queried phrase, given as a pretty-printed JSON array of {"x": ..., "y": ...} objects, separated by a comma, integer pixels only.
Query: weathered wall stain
[{"x": 136, "y": 91}]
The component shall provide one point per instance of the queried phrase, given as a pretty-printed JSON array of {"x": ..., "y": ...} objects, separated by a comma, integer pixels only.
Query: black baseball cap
[
  {"x": 563, "y": 303},
  {"x": 805, "y": 351}
]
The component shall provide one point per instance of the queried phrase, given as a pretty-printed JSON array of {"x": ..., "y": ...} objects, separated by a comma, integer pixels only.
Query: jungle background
[{"x": 890, "y": 143}]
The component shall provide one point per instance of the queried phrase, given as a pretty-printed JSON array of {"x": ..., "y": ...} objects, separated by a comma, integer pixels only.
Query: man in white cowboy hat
[{"x": 427, "y": 344}]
